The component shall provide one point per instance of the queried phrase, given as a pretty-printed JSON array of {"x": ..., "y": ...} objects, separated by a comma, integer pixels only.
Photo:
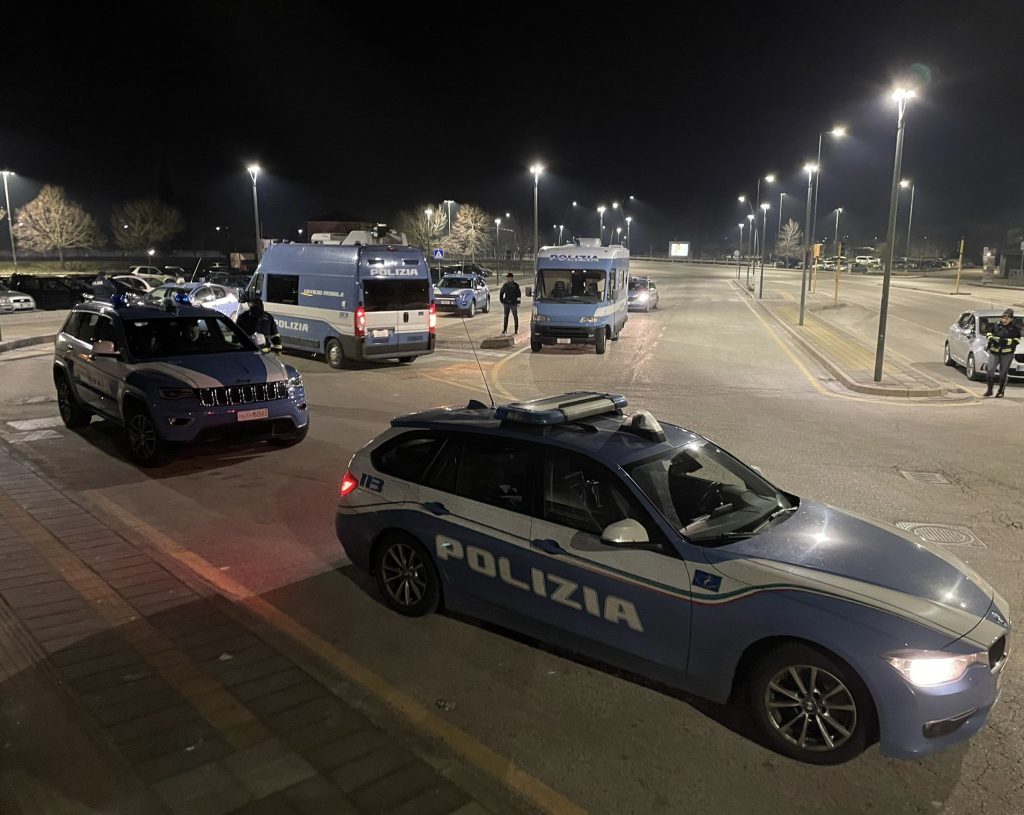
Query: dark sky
[{"x": 369, "y": 109}]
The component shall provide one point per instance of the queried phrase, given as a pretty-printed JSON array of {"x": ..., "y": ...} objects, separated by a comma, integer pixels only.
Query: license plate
[
  {"x": 249, "y": 415},
  {"x": 563, "y": 340},
  {"x": 380, "y": 333}
]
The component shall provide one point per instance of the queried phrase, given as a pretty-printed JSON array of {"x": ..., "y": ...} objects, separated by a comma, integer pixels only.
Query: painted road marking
[
  {"x": 30, "y": 435},
  {"x": 36, "y": 424}
]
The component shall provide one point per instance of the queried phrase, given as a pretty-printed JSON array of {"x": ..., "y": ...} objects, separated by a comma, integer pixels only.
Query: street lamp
[
  {"x": 900, "y": 95},
  {"x": 810, "y": 169},
  {"x": 536, "y": 169},
  {"x": 254, "y": 171},
  {"x": 449, "y": 202},
  {"x": 739, "y": 251},
  {"x": 151, "y": 252},
  {"x": 629, "y": 220},
  {"x": 750, "y": 238},
  {"x": 779, "y": 236},
  {"x": 764, "y": 248},
  {"x": 839, "y": 211},
  {"x": 904, "y": 183},
  {"x": 561, "y": 229},
  {"x": 836, "y": 132},
  {"x": 750, "y": 255},
  {"x": 618, "y": 231},
  {"x": 10, "y": 217},
  {"x": 300, "y": 235},
  {"x": 600, "y": 212},
  {"x": 770, "y": 178}
]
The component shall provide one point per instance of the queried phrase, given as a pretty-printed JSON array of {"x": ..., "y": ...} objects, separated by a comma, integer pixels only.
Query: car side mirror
[
  {"x": 757, "y": 469},
  {"x": 529, "y": 291},
  {"x": 104, "y": 348},
  {"x": 626, "y": 532}
]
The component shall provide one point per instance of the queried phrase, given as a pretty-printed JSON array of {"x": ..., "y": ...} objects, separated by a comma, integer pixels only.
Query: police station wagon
[{"x": 648, "y": 547}]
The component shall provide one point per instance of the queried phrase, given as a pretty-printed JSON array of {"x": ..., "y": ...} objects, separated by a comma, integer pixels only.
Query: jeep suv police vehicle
[
  {"x": 649, "y": 547},
  {"x": 175, "y": 374}
]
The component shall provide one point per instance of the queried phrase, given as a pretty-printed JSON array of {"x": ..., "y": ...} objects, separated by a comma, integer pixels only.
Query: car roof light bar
[{"x": 568, "y": 407}]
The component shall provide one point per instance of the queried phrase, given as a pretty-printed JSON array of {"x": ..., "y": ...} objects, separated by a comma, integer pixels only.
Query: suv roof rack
[{"x": 568, "y": 407}]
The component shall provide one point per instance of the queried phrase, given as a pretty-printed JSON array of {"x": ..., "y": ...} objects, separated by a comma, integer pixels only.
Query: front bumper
[
  {"x": 186, "y": 421},
  {"x": 549, "y": 334}
]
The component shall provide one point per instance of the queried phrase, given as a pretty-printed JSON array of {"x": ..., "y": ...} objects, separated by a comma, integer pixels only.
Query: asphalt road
[{"x": 708, "y": 360}]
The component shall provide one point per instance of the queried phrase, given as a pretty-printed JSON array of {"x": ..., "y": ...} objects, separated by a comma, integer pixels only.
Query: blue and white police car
[
  {"x": 173, "y": 375},
  {"x": 647, "y": 546},
  {"x": 463, "y": 293}
]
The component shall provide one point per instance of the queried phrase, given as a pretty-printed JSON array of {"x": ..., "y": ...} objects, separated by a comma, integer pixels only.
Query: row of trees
[
  {"x": 52, "y": 222},
  {"x": 473, "y": 231}
]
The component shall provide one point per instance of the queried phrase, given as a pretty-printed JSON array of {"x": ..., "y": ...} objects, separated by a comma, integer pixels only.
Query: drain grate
[
  {"x": 924, "y": 478},
  {"x": 942, "y": 534}
]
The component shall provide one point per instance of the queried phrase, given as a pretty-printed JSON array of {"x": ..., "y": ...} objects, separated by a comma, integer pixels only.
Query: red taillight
[
  {"x": 433, "y": 318},
  {"x": 360, "y": 322},
  {"x": 348, "y": 483}
]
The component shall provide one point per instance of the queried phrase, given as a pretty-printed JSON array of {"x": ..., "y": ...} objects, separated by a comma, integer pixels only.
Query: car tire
[
  {"x": 946, "y": 358},
  {"x": 406, "y": 576},
  {"x": 145, "y": 446},
  {"x": 71, "y": 412},
  {"x": 599, "y": 342},
  {"x": 335, "y": 354},
  {"x": 657, "y": 303},
  {"x": 535, "y": 346},
  {"x": 828, "y": 699},
  {"x": 471, "y": 311},
  {"x": 971, "y": 371},
  {"x": 486, "y": 307}
]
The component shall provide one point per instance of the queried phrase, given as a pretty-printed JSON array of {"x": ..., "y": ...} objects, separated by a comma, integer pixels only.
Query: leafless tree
[
  {"x": 423, "y": 231},
  {"x": 144, "y": 223},
  {"x": 791, "y": 242},
  {"x": 51, "y": 221},
  {"x": 472, "y": 232}
]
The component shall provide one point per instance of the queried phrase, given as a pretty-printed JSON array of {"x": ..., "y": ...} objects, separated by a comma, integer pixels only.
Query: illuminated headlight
[
  {"x": 929, "y": 668},
  {"x": 176, "y": 393},
  {"x": 540, "y": 318},
  {"x": 5, "y": 301},
  {"x": 294, "y": 381},
  {"x": 588, "y": 320},
  {"x": 642, "y": 297}
]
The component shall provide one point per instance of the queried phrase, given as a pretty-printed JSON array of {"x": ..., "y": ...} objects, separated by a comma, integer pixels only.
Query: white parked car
[
  {"x": 204, "y": 295},
  {"x": 966, "y": 341},
  {"x": 11, "y": 300},
  {"x": 137, "y": 282}
]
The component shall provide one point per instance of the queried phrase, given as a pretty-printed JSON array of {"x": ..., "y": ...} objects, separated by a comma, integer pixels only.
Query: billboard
[{"x": 678, "y": 249}]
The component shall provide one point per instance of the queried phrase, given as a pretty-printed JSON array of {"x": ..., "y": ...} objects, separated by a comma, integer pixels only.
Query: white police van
[
  {"x": 580, "y": 295},
  {"x": 349, "y": 302}
]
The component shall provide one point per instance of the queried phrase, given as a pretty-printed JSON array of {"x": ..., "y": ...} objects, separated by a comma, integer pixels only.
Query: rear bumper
[{"x": 407, "y": 345}]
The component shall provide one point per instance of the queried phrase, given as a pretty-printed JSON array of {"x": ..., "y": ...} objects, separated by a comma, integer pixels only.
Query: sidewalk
[
  {"x": 128, "y": 690},
  {"x": 29, "y": 328}
]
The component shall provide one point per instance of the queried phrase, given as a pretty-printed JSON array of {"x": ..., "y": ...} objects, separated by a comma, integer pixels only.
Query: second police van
[
  {"x": 349, "y": 302},
  {"x": 580, "y": 295}
]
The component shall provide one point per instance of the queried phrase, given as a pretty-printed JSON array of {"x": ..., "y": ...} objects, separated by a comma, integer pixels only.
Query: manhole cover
[
  {"x": 942, "y": 534},
  {"x": 924, "y": 478}
]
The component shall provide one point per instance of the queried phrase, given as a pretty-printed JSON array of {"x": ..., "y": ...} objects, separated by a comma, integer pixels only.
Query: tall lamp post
[
  {"x": 449, "y": 202},
  {"x": 497, "y": 240},
  {"x": 750, "y": 237},
  {"x": 839, "y": 211},
  {"x": 618, "y": 232},
  {"x": 778, "y": 237},
  {"x": 836, "y": 132},
  {"x": 561, "y": 229},
  {"x": 810, "y": 169},
  {"x": 600, "y": 214},
  {"x": 906, "y": 182},
  {"x": 739, "y": 250},
  {"x": 750, "y": 257},
  {"x": 764, "y": 247},
  {"x": 254, "y": 171},
  {"x": 536, "y": 169},
  {"x": 629, "y": 220},
  {"x": 10, "y": 217},
  {"x": 428, "y": 213},
  {"x": 901, "y": 95}
]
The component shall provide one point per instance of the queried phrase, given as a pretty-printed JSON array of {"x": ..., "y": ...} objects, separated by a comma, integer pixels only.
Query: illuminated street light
[
  {"x": 764, "y": 247},
  {"x": 901, "y": 97},
  {"x": 618, "y": 231},
  {"x": 629, "y": 220},
  {"x": 10, "y": 216},
  {"x": 536, "y": 169},
  {"x": 779, "y": 236},
  {"x": 254, "y": 171},
  {"x": 449, "y": 202},
  {"x": 600, "y": 212},
  {"x": 739, "y": 250},
  {"x": 904, "y": 183},
  {"x": 837, "y": 132},
  {"x": 769, "y": 178},
  {"x": 561, "y": 229},
  {"x": 810, "y": 169}
]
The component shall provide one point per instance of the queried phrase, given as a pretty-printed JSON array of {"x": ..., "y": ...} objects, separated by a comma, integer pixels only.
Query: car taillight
[
  {"x": 433, "y": 318},
  {"x": 348, "y": 483},
  {"x": 360, "y": 322}
]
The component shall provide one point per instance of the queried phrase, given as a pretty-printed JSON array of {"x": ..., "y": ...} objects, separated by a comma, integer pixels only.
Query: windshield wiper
[{"x": 773, "y": 516}]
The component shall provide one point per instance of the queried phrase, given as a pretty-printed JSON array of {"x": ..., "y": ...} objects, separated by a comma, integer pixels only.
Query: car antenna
[{"x": 477, "y": 358}]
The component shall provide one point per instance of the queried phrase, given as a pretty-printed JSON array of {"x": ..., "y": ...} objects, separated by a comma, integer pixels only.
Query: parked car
[
  {"x": 966, "y": 341},
  {"x": 173, "y": 376},
  {"x": 136, "y": 282},
  {"x": 206, "y": 295},
  {"x": 643, "y": 293},
  {"x": 11, "y": 300},
  {"x": 646, "y": 546},
  {"x": 51, "y": 291},
  {"x": 463, "y": 293}
]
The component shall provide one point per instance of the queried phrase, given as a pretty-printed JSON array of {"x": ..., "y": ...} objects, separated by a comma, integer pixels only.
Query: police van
[
  {"x": 580, "y": 295},
  {"x": 349, "y": 302}
]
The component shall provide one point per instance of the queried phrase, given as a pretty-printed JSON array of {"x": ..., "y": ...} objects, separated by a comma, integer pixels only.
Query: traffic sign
[{"x": 439, "y": 253}]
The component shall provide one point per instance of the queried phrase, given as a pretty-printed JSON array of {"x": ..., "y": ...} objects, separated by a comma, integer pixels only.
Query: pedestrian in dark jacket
[
  {"x": 261, "y": 327},
  {"x": 103, "y": 288},
  {"x": 509, "y": 297},
  {"x": 1002, "y": 341}
]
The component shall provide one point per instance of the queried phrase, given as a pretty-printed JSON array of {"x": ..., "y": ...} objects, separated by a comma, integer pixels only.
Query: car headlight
[
  {"x": 540, "y": 318},
  {"x": 929, "y": 668},
  {"x": 642, "y": 297},
  {"x": 176, "y": 393},
  {"x": 294, "y": 381},
  {"x": 588, "y": 320},
  {"x": 5, "y": 301}
]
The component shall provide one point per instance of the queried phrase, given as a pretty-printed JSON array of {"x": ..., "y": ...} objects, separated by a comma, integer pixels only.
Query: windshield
[
  {"x": 570, "y": 285},
  {"x": 456, "y": 283},
  {"x": 635, "y": 284},
  {"x": 184, "y": 336},
  {"x": 707, "y": 494}
]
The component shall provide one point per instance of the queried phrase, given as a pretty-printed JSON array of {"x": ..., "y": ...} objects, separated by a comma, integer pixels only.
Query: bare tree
[
  {"x": 472, "y": 231},
  {"x": 790, "y": 242},
  {"x": 51, "y": 221},
  {"x": 144, "y": 223},
  {"x": 423, "y": 231}
]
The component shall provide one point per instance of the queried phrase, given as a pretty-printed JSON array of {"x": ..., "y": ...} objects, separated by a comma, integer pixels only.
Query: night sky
[{"x": 365, "y": 109}]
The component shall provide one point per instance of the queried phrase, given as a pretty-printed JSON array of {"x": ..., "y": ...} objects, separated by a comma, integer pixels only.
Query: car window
[
  {"x": 218, "y": 292},
  {"x": 73, "y": 323},
  {"x": 204, "y": 294},
  {"x": 184, "y": 336},
  {"x": 493, "y": 471},
  {"x": 456, "y": 283},
  {"x": 966, "y": 321},
  {"x": 408, "y": 456},
  {"x": 283, "y": 288},
  {"x": 50, "y": 284},
  {"x": 90, "y": 327}
]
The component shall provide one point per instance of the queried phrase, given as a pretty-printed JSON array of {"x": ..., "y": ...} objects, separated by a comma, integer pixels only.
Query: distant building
[{"x": 336, "y": 222}]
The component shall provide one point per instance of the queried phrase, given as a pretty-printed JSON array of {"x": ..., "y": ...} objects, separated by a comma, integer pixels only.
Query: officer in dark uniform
[
  {"x": 103, "y": 288},
  {"x": 509, "y": 297},
  {"x": 261, "y": 327},
  {"x": 1002, "y": 340}
]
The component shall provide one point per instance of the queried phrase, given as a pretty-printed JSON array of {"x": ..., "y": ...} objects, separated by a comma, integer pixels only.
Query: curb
[{"x": 10, "y": 345}]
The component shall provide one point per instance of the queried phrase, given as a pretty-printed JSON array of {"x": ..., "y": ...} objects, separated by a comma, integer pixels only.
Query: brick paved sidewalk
[{"x": 124, "y": 690}]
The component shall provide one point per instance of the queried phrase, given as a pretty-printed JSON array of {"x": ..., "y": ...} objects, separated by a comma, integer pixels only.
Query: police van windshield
[
  {"x": 184, "y": 336},
  {"x": 570, "y": 285},
  {"x": 383, "y": 294},
  {"x": 456, "y": 283}
]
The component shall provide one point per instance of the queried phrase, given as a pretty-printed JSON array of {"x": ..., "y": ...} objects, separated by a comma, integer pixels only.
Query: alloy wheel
[
  {"x": 403, "y": 574},
  {"x": 142, "y": 437},
  {"x": 810, "y": 708}
]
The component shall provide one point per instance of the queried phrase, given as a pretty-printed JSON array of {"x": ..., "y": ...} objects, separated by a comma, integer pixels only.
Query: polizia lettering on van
[
  {"x": 292, "y": 325},
  {"x": 555, "y": 588}
]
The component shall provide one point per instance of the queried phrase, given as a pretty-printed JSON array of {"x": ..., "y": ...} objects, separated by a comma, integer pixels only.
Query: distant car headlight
[
  {"x": 176, "y": 393},
  {"x": 588, "y": 320},
  {"x": 929, "y": 668},
  {"x": 642, "y": 297}
]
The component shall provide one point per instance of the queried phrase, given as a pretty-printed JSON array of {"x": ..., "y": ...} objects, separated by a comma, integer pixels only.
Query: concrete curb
[{"x": 10, "y": 345}]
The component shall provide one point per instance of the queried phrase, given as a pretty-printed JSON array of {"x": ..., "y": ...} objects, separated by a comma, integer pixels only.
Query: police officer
[
  {"x": 509, "y": 297},
  {"x": 261, "y": 327},
  {"x": 1002, "y": 340},
  {"x": 102, "y": 288}
]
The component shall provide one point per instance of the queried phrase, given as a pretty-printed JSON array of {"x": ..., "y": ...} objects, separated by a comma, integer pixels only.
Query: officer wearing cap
[
  {"x": 1002, "y": 340},
  {"x": 261, "y": 327}
]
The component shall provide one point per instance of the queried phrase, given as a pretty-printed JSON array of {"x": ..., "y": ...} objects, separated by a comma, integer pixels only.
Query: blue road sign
[{"x": 439, "y": 253}]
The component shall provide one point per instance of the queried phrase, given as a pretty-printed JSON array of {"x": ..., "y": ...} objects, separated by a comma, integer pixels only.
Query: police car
[
  {"x": 647, "y": 546},
  {"x": 175, "y": 374}
]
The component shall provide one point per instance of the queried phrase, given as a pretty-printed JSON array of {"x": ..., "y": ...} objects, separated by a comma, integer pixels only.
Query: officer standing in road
[
  {"x": 1002, "y": 340},
  {"x": 509, "y": 297},
  {"x": 261, "y": 327},
  {"x": 102, "y": 288}
]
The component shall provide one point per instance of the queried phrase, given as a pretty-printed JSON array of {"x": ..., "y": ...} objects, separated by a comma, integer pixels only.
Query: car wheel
[
  {"x": 599, "y": 342},
  {"x": 487, "y": 306},
  {"x": 406, "y": 360},
  {"x": 946, "y": 358},
  {"x": 970, "y": 370},
  {"x": 471, "y": 311},
  {"x": 72, "y": 414},
  {"x": 144, "y": 445},
  {"x": 810, "y": 706},
  {"x": 334, "y": 353},
  {"x": 657, "y": 303},
  {"x": 406, "y": 577}
]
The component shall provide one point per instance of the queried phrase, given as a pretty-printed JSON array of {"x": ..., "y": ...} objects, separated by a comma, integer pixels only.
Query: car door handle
[
  {"x": 436, "y": 507},
  {"x": 548, "y": 545}
]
